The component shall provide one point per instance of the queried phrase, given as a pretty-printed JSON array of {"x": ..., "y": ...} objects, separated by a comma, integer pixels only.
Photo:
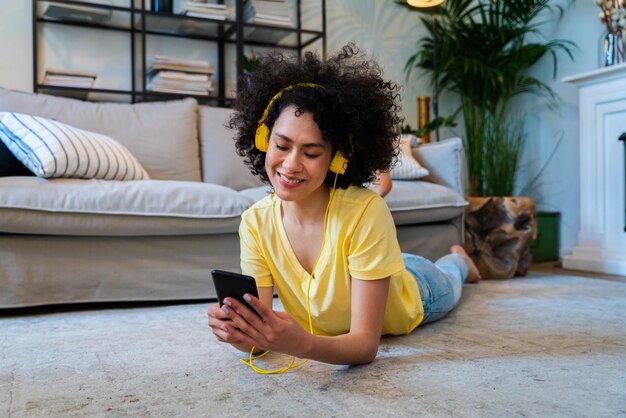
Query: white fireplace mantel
[{"x": 602, "y": 107}]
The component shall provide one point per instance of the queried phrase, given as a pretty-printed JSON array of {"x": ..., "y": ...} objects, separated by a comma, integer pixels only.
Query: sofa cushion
[
  {"x": 220, "y": 162},
  {"x": 444, "y": 161},
  {"x": 257, "y": 193},
  {"x": 410, "y": 202},
  {"x": 161, "y": 135},
  {"x": 33, "y": 205},
  {"x": 50, "y": 148},
  {"x": 415, "y": 202}
]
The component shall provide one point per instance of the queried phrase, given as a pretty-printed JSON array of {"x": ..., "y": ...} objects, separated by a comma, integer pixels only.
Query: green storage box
[{"x": 546, "y": 246}]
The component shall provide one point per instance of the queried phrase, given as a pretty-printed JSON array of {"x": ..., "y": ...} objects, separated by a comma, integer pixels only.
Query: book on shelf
[
  {"x": 272, "y": 22},
  {"x": 73, "y": 73},
  {"x": 181, "y": 82},
  {"x": 206, "y": 15},
  {"x": 158, "y": 89},
  {"x": 203, "y": 88},
  {"x": 164, "y": 62},
  {"x": 219, "y": 8},
  {"x": 156, "y": 66},
  {"x": 285, "y": 19},
  {"x": 167, "y": 74},
  {"x": 65, "y": 82},
  {"x": 177, "y": 75},
  {"x": 80, "y": 13},
  {"x": 270, "y": 12},
  {"x": 208, "y": 11},
  {"x": 178, "y": 60},
  {"x": 69, "y": 78}
]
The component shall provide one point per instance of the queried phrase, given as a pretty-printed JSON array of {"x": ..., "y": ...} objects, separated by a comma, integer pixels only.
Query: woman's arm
[
  {"x": 278, "y": 331},
  {"x": 360, "y": 345}
]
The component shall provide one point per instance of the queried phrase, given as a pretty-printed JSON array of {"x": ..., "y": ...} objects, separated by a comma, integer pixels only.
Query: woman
[{"x": 317, "y": 132}]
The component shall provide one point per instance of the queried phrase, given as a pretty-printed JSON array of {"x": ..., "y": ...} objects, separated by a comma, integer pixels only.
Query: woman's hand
[
  {"x": 220, "y": 323},
  {"x": 270, "y": 330}
]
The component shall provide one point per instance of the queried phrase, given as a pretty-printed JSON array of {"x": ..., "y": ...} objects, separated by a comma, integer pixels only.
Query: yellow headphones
[{"x": 262, "y": 136}]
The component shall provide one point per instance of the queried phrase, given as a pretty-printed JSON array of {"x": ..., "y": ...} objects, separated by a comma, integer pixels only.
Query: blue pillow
[{"x": 11, "y": 166}]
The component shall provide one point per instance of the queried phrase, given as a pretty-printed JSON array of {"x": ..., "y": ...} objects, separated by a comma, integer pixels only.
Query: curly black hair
[{"x": 354, "y": 107}]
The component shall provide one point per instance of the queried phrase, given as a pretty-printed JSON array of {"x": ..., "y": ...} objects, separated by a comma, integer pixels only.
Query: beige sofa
[{"x": 75, "y": 240}]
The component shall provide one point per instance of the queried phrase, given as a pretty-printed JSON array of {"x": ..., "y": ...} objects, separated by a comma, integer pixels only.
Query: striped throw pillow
[
  {"x": 53, "y": 149},
  {"x": 407, "y": 167}
]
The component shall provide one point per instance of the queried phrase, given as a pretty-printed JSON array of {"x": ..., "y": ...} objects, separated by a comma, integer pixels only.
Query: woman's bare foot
[
  {"x": 383, "y": 184},
  {"x": 473, "y": 275}
]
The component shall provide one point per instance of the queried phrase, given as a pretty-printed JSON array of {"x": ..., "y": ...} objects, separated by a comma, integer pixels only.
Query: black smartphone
[{"x": 234, "y": 285}]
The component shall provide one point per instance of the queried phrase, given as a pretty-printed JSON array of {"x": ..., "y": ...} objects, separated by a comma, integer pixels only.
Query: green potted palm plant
[{"x": 483, "y": 50}]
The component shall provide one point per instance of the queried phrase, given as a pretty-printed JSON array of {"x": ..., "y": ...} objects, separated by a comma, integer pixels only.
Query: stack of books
[
  {"x": 206, "y": 10},
  {"x": 270, "y": 12},
  {"x": 67, "y": 78},
  {"x": 180, "y": 76},
  {"x": 79, "y": 13}
]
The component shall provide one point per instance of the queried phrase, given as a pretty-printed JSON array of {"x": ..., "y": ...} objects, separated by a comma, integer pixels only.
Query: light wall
[{"x": 386, "y": 32}]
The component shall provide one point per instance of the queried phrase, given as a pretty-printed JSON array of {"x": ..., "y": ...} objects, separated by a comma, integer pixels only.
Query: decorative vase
[
  {"x": 612, "y": 49},
  {"x": 423, "y": 116}
]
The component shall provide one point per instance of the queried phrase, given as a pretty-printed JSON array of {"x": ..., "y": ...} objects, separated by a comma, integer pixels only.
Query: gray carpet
[{"x": 536, "y": 346}]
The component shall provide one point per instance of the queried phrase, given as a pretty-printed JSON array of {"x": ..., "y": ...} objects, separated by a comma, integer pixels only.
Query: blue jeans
[{"x": 440, "y": 283}]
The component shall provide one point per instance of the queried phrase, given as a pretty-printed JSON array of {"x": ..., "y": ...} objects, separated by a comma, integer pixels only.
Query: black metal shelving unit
[{"x": 142, "y": 24}]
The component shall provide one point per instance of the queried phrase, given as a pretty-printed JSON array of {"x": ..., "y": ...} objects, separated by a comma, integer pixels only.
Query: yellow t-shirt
[{"x": 360, "y": 242}]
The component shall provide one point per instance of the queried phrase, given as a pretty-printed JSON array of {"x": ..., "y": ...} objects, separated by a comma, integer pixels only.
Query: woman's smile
[{"x": 289, "y": 181}]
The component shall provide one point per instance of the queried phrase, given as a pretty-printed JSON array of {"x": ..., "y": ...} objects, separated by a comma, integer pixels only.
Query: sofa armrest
[{"x": 445, "y": 161}]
